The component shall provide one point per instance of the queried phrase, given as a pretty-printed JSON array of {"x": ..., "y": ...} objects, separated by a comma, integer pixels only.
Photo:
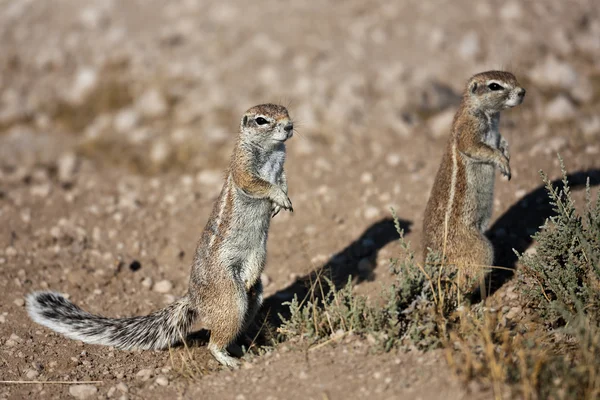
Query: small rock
[
  {"x": 366, "y": 177},
  {"x": 163, "y": 286},
  {"x": 160, "y": 152},
  {"x": 86, "y": 81},
  {"x": 125, "y": 120},
  {"x": 147, "y": 282},
  {"x": 32, "y": 374},
  {"x": 371, "y": 212},
  {"x": 144, "y": 374},
  {"x": 393, "y": 159},
  {"x": 511, "y": 11},
  {"x": 10, "y": 251},
  {"x": 591, "y": 126},
  {"x": 470, "y": 45},
  {"x": 66, "y": 166},
  {"x": 162, "y": 380},
  {"x": 122, "y": 387},
  {"x": 83, "y": 391},
  {"x": 19, "y": 302},
  {"x": 265, "y": 279},
  {"x": 152, "y": 104},
  {"x": 41, "y": 190},
  {"x": 560, "y": 109},
  {"x": 554, "y": 73},
  {"x": 210, "y": 177},
  {"x": 440, "y": 124}
]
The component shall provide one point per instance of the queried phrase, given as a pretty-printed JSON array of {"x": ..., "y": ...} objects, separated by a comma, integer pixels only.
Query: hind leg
[
  {"x": 226, "y": 318},
  {"x": 476, "y": 255},
  {"x": 255, "y": 299}
]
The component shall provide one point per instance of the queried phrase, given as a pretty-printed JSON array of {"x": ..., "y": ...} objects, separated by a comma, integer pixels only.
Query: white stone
[
  {"x": 152, "y": 104},
  {"x": 511, "y": 11},
  {"x": 84, "y": 84},
  {"x": 162, "y": 380},
  {"x": 163, "y": 286},
  {"x": 144, "y": 374},
  {"x": 560, "y": 109},
  {"x": 371, "y": 212},
  {"x": 125, "y": 120},
  {"x": 470, "y": 46},
  {"x": 554, "y": 73},
  {"x": 66, "y": 165},
  {"x": 83, "y": 391},
  {"x": 440, "y": 124}
]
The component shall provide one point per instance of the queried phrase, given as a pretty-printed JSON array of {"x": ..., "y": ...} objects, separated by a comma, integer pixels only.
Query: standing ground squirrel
[
  {"x": 460, "y": 205},
  {"x": 225, "y": 290}
]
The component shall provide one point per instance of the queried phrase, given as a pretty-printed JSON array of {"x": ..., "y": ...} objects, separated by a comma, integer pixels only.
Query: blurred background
[
  {"x": 157, "y": 86},
  {"x": 117, "y": 120}
]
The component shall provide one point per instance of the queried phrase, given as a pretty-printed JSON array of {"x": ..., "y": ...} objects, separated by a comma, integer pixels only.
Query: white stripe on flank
[
  {"x": 452, "y": 194},
  {"x": 223, "y": 202}
]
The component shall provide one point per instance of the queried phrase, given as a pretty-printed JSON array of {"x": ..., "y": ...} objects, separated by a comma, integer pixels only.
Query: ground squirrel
[
  {"x": 460, "y": 205},
  {"x": 225, "y": 290}
]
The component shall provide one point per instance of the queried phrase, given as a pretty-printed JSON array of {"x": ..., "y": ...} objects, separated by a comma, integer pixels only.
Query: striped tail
[{"x": 159, "y": 330}]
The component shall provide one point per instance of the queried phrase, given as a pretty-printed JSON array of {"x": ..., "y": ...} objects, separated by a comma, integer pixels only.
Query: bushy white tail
[{"x": 159, "y": 330}]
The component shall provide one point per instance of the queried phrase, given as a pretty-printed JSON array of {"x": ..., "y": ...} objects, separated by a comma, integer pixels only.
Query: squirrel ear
[
  {"x": 245, "y": 120},
  {"x": 473, "y": 87}
]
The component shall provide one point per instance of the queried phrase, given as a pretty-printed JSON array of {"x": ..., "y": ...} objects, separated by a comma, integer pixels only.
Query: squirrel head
[
  {"x": 493, "y": 91},
  {"x": 266, "y": 124}
]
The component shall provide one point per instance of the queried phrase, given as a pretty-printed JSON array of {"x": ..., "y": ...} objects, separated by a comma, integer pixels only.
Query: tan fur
[{"x": 461, "y": 200}]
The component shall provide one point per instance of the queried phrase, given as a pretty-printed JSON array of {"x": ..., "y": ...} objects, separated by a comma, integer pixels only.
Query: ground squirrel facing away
[
  {"x": 225, "y": 290},
  {"x": 461, "y": 200}
]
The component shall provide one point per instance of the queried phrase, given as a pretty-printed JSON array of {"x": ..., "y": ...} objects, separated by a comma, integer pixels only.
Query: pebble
[
  {"x": 86, "y": 81},
  {"x": 19, "y": 302},
  {"x": 560, "y": 109},
  {"x": 83, "y": 391},
  {"x": 32, "y": 374},
  {"x": 144, "y": 374},
  {"x": 470, "y": 45},
  {"x": 162, "y": 380},
  {"x": 122, "y": 387},
  {"x": 126, "y": 120},
  {"x": 152, "y": 104},
  {"x": 440, "y": 124},
  {"x": 371, "y": 212},
  {"x": 163, "y": 286},
  {"x": 41, "y": 190},
  {"x": 265, "y": 279},
  {"x": 10, "y": 251},
  {"x": 554, "y": 73},
  {"x": 147, "y": 282},
  {"x": 66, "y": 165},
  {"x": 511, "y": 11}
]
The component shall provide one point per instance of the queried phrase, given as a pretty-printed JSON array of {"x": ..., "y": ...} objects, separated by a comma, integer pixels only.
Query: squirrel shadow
[
  {"x": 513, "y": 230},
  {"x": 356, "y": 261}
]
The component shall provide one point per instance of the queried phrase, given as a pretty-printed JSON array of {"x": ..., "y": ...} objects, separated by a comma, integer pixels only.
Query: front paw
[
  {"x": 504, "y": 166},
  {"x": 504, "y": 148},
  {"x": 281, "y": 200}
]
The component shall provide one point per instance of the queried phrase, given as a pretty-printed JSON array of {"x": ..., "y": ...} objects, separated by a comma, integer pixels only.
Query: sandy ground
[{"x": 117, "y": 119}]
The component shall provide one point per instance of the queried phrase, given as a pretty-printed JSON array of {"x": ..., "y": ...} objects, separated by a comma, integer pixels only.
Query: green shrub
[
  {"x": 412, "y": 311},
  {"x": 563, "y": 274}
]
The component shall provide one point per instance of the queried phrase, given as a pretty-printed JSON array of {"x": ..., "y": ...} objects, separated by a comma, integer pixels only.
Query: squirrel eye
[
  {"x": 495, "y": 86},
  {"x": 261, "y": 121}
]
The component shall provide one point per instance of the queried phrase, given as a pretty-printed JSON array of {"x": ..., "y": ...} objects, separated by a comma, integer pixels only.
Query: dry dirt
[{"x": 117, "y": 119}]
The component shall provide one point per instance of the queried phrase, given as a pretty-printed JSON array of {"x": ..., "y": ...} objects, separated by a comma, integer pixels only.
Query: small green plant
[
  {"x": 564, "y": 271},
  {"x": 412, "y": 312}
]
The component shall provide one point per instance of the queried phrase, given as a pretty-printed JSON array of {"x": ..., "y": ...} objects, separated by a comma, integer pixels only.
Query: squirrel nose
[
  {"x": 289, "y": 127},
  {"x": 522, "y": 92}
]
